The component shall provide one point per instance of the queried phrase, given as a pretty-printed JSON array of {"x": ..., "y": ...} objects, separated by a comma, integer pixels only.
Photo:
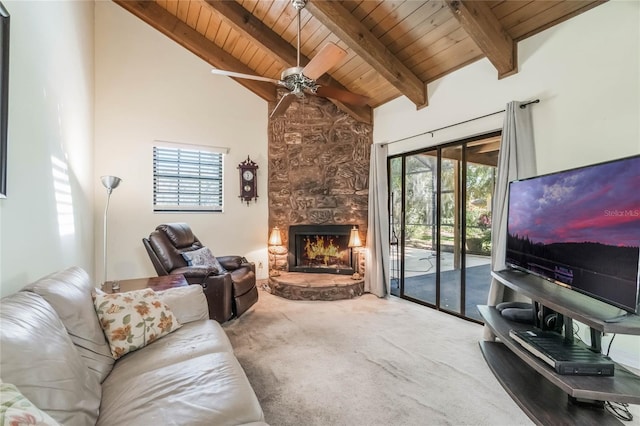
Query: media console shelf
[
  {"x": 587, "y": 310},
  {"x": 536, "y": 387}
]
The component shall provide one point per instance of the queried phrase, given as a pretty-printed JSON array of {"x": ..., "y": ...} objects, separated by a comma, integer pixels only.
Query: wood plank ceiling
[{"x": 394, "y": 47}]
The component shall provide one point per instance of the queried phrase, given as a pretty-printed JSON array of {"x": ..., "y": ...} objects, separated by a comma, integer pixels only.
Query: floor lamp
[{"x": 111, "y": 183}]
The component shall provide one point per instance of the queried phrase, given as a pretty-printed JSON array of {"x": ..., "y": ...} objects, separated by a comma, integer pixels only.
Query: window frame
[{"x": 189, "y": 179}]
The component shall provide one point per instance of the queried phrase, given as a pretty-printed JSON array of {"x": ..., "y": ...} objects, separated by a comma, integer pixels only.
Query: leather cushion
[
  {"x": 169, "y": 256},
  {"x": 187, "y": 303},
  {"x": 189, "y": 341},
  {"x": 39, "y": 358},
  {"x": 210, "y": 389},
  {"x": 69, "y": 293},
  {"x": 179, "y": 234}
]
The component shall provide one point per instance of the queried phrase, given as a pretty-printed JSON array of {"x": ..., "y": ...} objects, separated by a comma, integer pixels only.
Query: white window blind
[{"x": 187, "y": 179}]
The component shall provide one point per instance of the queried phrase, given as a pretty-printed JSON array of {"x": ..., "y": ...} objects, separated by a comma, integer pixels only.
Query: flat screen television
[{"x": 580, "y": 228}]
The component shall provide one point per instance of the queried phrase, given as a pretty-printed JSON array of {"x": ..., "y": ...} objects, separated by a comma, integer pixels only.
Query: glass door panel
[
  {"x": 481, "y": 170},
  {"x": 396, "y": 200},
  {"x": 419, "y": 268},
  {"x": 450, "y": 227}
]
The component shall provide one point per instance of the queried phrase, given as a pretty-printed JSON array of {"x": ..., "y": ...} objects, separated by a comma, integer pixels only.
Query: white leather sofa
[{"x": 53, "y": 349}]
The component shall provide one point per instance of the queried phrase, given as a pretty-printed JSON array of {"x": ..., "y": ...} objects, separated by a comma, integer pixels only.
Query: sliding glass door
[
  {"x": 440, "y": 216},
  {"x": 413, "y": 216}
]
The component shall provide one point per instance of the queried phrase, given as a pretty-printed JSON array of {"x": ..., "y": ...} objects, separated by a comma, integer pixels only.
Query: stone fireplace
[
  {"x": 320, "y": 249},
  {"x": 318, "y": 176}
]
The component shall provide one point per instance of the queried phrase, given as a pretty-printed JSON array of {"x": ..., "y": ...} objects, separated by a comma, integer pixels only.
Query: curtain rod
[{"x": 523, "y": 106}]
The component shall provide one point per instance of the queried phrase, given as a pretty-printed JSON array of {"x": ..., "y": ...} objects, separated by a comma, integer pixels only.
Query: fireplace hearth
[{"x": 320, "y": 249}]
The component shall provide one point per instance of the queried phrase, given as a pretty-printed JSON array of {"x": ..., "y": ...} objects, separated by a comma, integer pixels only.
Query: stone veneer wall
[{"x": 318, "y": 169}]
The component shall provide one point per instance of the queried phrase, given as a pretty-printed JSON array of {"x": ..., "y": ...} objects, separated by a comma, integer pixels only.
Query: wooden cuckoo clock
[{"x": 248, "y": 180}]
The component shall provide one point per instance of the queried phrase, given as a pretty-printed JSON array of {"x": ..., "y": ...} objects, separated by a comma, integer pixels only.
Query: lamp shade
[
  {"x": 110, "y": 182},
  {"x": 354, "y": 238},
  {"x": 275, "y": 239}
]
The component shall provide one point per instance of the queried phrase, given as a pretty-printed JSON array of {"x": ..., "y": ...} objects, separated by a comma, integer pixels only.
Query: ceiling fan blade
[
  {"x": 282, "y": 106},
  {"x": 342, "y": 95},
  {"x": 247, "y": 76},
  {"x": 329, "y": 56}
]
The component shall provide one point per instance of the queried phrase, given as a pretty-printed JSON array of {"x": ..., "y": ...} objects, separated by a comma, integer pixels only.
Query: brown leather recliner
[{"x": 228, "y": 294}]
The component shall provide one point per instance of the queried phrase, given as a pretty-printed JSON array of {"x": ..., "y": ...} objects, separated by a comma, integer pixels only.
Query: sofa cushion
[
  {"x": 16, "y": 409},
  {"x": 190, "y": 341},
  {"x": 210, "y": 389},
  {"x": 203, "y": 257},
  {"x": 39, "y": 358},
  {"x": 187, "y": 303},
  {"x": 133, "y": 319},
  {"x": 69, "y": 293}
]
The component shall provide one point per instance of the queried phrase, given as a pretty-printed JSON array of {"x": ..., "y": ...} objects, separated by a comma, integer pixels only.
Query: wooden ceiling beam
[
  {"x": 181, "y": 33},
  {"x": 477, "y": 20},
  {"x": 343, "y": 24},
  {"x": 249, "y": 26}
]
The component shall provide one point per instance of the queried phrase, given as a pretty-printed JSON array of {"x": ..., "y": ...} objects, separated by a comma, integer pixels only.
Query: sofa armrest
[{"x": 187, "y": 303}]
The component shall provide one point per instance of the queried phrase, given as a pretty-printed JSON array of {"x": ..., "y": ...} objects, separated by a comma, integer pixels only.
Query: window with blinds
[{"x": 187, "y": 179}]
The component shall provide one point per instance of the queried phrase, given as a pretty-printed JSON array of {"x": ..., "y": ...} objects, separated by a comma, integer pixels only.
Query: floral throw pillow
[
  {"x": 203, "y": 257},
  {"x": 16, "y": 409},
  {"x": 133, "y": 319}
]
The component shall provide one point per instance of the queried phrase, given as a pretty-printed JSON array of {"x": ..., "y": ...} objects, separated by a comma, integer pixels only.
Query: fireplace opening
[{"x": 320, "y": 248}]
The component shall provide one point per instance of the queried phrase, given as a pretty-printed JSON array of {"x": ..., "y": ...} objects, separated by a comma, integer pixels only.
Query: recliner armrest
[
  {"x": 196, "y": 271},
  {"x": 231, "y": 263}
]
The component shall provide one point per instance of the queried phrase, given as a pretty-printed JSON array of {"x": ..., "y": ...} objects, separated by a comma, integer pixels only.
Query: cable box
[{"x": 565, "y": 357}]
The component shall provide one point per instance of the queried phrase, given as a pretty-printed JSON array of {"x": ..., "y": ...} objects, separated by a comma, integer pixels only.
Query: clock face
[{"x": 247, "y": 175}]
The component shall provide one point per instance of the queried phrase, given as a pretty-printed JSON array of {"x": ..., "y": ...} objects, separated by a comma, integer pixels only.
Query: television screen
[{"x": 580, "y": 228}]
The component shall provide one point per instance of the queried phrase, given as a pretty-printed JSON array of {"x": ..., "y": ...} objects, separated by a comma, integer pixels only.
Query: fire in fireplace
[{"x": 320, "y": 248}]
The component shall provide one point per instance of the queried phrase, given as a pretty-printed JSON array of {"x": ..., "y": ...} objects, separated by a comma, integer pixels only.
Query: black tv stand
[
  {"x": 588, "y": 403},
  {"x": 542, "y": 393}
]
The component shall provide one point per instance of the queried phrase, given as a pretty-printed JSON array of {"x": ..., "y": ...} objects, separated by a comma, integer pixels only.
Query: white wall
[
  {"x": 46, "y": 223},
  {"x": 588, "y": 83},
  {"x": 150, "y": 88},
  {"x": 586, "y": 73}
]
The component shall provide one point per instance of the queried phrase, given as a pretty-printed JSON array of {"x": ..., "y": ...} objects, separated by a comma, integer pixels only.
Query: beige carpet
[{"x": 367, "y": 361}]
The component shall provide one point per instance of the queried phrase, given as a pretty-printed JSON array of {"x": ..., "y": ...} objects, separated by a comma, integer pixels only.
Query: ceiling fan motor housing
[{"x": 297, "y": 82}]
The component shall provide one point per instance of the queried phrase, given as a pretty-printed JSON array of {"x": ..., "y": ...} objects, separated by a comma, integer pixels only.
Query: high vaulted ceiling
[{"x": 393, "y": 47}]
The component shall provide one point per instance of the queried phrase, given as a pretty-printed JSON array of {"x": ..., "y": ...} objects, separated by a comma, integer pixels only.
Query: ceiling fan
[{"x": 300, "y": 80}]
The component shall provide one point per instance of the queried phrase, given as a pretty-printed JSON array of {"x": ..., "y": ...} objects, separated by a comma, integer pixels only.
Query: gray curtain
[
  {"x": 376, "y": 276},
  {"x": 517, "y": 160}
]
